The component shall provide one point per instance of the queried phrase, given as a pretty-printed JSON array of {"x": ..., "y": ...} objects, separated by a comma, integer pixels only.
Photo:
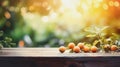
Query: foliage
[
  {"x": 99, "y": 33},
  {"x": 50, "y": 22},
  {"x": 6, "y": 41}
]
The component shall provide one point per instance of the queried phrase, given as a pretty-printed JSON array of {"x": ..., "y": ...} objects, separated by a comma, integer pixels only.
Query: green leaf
[
  {"x": 1, "y": 46},
  {"x": 89, "y": 45},
  {"x": 95, "y": 42},
  {"x": 114, "y": 34},
  {"x": 91, "y": 35},
  {"x": 102, "y": 29},
  {"x": 1, "y": 33},
  {"x": 13, "y": 44},
  {"x": 90, "y": 30},
  {"x": 8, "y": 39},
  {"x": 97, "y": 29},
  {"x": 103, "y": 34}
]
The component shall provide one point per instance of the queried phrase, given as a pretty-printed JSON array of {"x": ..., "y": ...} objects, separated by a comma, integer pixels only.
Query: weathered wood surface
[
  {"x": 51, "y": 57},
  {"x": 54, "y": 54},
  {"x": 50, "y": 52}
]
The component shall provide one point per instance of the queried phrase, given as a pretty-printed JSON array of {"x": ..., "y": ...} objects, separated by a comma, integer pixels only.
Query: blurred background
[{"x": 52, "y": 23}]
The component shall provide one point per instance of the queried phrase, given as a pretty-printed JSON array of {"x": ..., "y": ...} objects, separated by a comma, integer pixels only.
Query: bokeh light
[{"x": 64, "y": 19}]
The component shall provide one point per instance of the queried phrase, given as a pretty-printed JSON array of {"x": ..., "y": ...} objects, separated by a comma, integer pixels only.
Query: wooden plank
[
  {"x": 51, "y": 57},
  {"x": 49, "y": 52}
]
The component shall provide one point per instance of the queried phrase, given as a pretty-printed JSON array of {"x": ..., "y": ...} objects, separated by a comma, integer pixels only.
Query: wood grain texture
[
  {"x": 51, "y": 57},
  {"x": 50, "y": 52}
]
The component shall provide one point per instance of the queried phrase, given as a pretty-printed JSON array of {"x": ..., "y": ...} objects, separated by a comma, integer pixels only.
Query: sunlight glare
[
  {"x": 45, "y": 18},
  {"x": 116, "y": 4},
  {"x": 71, "y": 4}
]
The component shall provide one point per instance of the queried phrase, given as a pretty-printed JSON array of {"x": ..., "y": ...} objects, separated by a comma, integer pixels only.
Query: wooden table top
[
  {"x": 14, "y": 57},
  {"x": 49, "y": 52},
  {"x": 54, "y": 54}
]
